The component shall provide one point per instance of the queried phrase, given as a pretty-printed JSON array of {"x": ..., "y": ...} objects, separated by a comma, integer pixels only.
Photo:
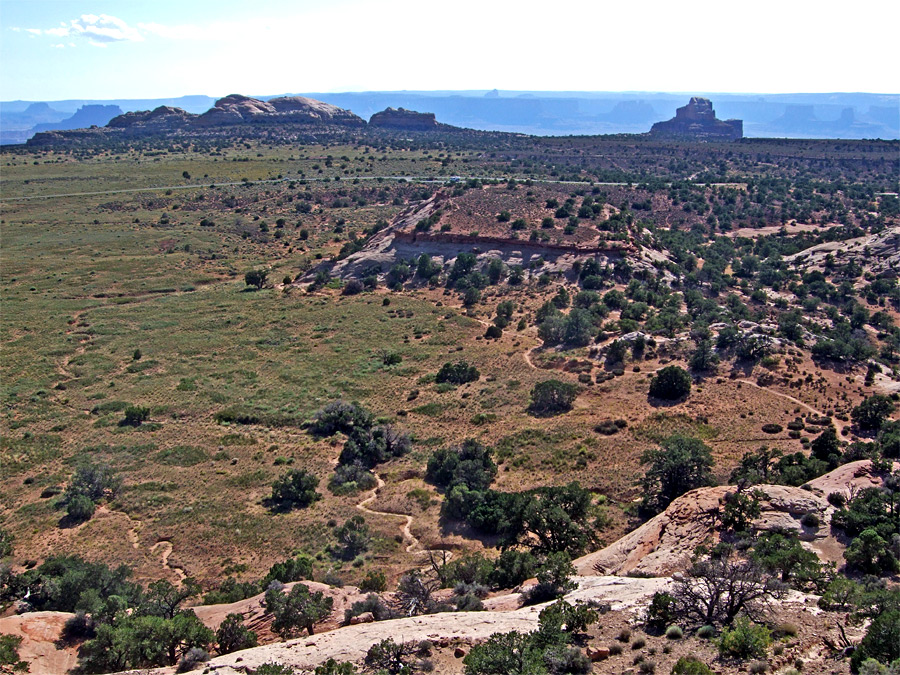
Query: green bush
[
  {"x": 135, "y": 415},
  {"x": 80, "y": 508},
  {"x": 374, "y": 582},
  {"x": 9, "y": 653},
  {"x": 295, "y": 489},
  {"x": 872, "y": 412},
  {"x": 670, "y": 384},
  {"x": 457, "y": 373},
  {"x": 233, "y": 635},
  {"x": 469, "y": 464},
  {"x": 680, "y": 465},
  {"x": 744, "y": 640},
  {"x": 552, "y": 397},
  {"x": 256, "y": 278},
  {"x": 674, "y": 633},
  {"x": 688, "y": 665},
  {"x": 706, "y": 632}
]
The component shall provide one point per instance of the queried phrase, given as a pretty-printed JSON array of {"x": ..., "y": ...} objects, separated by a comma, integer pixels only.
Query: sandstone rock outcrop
[
  {"x": 309, "y": 110},
  {"x": 232, "y": 110},
  {"x": 162, "y": 117},
  {"x": 698, "y": 120},
  {"x": 408, "y": 120}
]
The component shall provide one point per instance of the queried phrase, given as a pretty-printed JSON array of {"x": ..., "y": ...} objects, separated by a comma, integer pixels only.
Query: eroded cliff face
[{"x": 698, "y": 120}]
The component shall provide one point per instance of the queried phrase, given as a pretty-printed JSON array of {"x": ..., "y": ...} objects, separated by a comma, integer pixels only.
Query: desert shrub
[
  {"x": 388, "y": 656},
  {"x": 193, "y": 658},
  {"x": 670, "y": 383},
  {"x": 142, "y": 641},
  {"x": 674, "y": 633},
  {"x": 837, "y": 499},
  {"x": 469, "y": 464},
  {"x": 786, "y": 629},
  {"x": 300, "y": 609},
  {"x": 660, "y": 613},
  {"x": 95, "y": 482},
  {"x": 368, "y": 447},
  {"x": 871, "y": 553},
  {"x": 758, "y": 667},
  {"x": 340, "y": 416},
  {"x": 332, "y": 667},
  {"x": 232, "y": 635},
  {"x": 78, "y": 627},
  {"x": 553, "y": 579},
  {"x": 6, "y": 541},
  {"x": 292, "y": 569},
  {"x": 624, "y": 635},
  {"x": 493, "y": 333},
  {"x": 706, "y": 632},
  {"x": 772, "y": 428},
  {"x": 256, "y": 278},
  {"x": 9, "y": 654},
  {"x": 512, "y": 568},
  {"x": 810, "y": 519},
  {"x": 295, "y": 489},
  {"x": 350, "y": 478},
  {"x": 647, "y": 668},
  {"x": 352, "y": 538},
  {"x": 682, "y": 464},
  {"x": 741, "y": 508},
  {"x": 872, "y": 412},
  {"x": 372, "y": 603},
  {"x": 457, "y": 373},
  {"x": 374, "y": 582},
  {"x": 468, "y": 602},
  {"x": 607, "y": 428},
  {"x": 353, "y": 287},
  {"x": 744, "y": 640},
  {"x": 135, "y": 415},
  {"x": 274, "y": 669},
  {"x": 80, "y": 509},
  {"x": 688, "y": 665},
  {"x": 639, "y": 643},
  {"x": 615, "y": 649},
  {"x": 571, "y": 619},
  {"x": 552, "y": 397}
]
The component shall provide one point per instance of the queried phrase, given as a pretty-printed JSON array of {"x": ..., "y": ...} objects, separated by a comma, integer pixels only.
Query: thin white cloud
[
  {"x": 105, "y": 28},
  {"x": 98, "y": 29}
]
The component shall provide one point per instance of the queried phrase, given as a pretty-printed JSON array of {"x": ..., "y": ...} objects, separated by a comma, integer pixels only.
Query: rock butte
[{"x": 697, "y": 120}]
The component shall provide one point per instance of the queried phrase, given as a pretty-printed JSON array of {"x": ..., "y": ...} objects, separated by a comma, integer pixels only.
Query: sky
[{"x": 84, "y": 49}]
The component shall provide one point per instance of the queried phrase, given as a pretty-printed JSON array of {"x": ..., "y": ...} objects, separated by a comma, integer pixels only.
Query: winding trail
[
  {"x": 166, "y": 547},
  {"x": 407, "y": 525}
]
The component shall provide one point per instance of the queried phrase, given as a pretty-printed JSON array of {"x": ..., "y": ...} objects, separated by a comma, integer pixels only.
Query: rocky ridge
[{"x": 237, "y": 110}]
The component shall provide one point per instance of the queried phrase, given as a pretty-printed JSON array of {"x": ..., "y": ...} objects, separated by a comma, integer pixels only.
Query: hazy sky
[{"x": 164, "y": 48}]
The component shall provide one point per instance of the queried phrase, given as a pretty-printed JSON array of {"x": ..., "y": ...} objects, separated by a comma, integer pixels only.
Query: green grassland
[{"x": 155, "y": 264}]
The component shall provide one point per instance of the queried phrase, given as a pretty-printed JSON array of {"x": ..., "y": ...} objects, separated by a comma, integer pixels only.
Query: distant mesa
[
  {"x": 407, "y": 120},
  {"x": 86, "y": 116},
  {"x": 697, "y": 120}
]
